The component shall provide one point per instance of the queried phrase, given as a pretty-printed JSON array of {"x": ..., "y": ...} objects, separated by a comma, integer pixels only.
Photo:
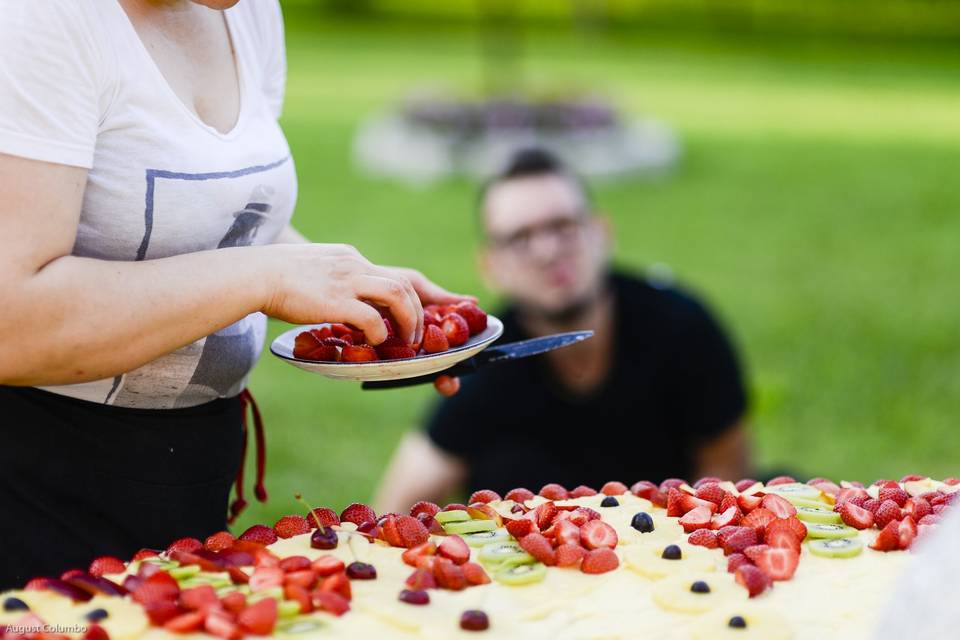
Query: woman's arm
[{"x": 65, "y": 319}]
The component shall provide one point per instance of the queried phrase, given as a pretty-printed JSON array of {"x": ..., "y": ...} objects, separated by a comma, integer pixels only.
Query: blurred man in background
[{"x": 656, "y": 393}]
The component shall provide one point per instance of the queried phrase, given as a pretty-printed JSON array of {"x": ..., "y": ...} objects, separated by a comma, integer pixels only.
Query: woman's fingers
[
  {"x": 392, "y": 294},
  {"x": 364, "y": 317}
]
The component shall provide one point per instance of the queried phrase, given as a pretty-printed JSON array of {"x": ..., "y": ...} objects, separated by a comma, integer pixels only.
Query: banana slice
[
  {"x": 758, "y": 622},
  {"x": 648, "y": 561},
  {"x": 697, "y": 592},
  {"x": 125, "y": 619}
]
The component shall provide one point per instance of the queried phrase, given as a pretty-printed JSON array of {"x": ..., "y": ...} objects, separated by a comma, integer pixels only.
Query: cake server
[{"x": 492, "y": 355}]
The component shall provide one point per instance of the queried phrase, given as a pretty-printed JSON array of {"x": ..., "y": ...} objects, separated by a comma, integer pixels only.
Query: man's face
[{"x": 544, "y": 249}]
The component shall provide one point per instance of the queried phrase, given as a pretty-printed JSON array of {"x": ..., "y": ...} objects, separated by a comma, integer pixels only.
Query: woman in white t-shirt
[{"x": 146, "y": 191}]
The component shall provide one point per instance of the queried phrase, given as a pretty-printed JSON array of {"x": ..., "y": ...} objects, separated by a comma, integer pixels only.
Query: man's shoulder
[{"x": 655, "y": 296}]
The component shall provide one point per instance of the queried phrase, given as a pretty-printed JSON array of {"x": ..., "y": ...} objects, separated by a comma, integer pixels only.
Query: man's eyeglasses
[{"x": 565, "y": 231}]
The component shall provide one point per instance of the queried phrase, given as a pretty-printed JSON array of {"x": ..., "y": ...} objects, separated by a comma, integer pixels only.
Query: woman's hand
[{"x": 312, "y": 283}]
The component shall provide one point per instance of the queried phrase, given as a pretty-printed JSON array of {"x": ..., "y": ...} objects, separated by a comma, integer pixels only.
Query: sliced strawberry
[
  {"x": 545, "y": 514},
  {"x": 856, "y": 517},
  {"x": 219, "y": 541},
  {"x": 582, "y": 515},
  {"x": 186, "y": 622},
  {"x": 265, "y": 578},
  {"x": 109, "y": 564},
  {"x": 778, "y": 505},
  {"x": 411, "y": 555},
  {"x": 520, "y": 528},
  {"x": 566, "y": 532},
  {"x": 826, "y": 486},
  {"x": 185, "y": 544},
  {"x": 711, "y": 492},
  {"x": 411, "y": 532},
  {"x": 744, "y": 483},
  {"x": 704, "y": 538},
  {"x": 259, "y": 533},
  {"x": 554, "y": 491},
  {"x": 754, "y": 552},
  {"x": 305, "y": 578},
  {"x": 749, "y": 503},
  {"x": 857, "y": 494},
  {"x": 421, "y": 579},
  {"x": 238, "y": 575},
  {"x": 596, "y": 534},
  {"x": 796, "y": 525},
  {"x": 160, "y": 587},
  {"x": 696, "y": 518},
  {"x": 475, "y": 574},
  {"x": 259, "y": 618},
  {"x": 337, "y": 583},
  {"x": 887, "y": 512},
  {"x": 778, "y": 563},
  {"x": 161, "y": 612},
  {"x": 906, "y": 532},
  {"x": 728, "y": 501},
  {"x": 304, "y": 344},
  {"x": 540, "y": 548},
  {"x": 644, "y": 489},
  {"x": 736, "y": 539},
  {"x": 671, "y": 483},
  {"x": 289, "y": 526},
  {"x": 781, "y": 536},
  {"x": 327, "y": 565},
  {"x": 456, "y": 329},
  {"x": 752, "y": 579},
  {"x": 599, "y": 560},
  {"x": 331, "y": 602},
  {"x": 358, "y": 353},
  {"x": 449, "y": 575},
  {"x": 780, "y": 480},
  {"x": 871, "y": 505},
  {"x": 689, "y": 503},
  {"x": 614, "y": 488},
  {"x": 758, "y": 519},
  {"x": 198, "y": 598},
  {"x": 455, "y": 549},
  {"x": 520, "y": 495},
  {"x": 674, "y": 498},
  {"x": 916, "y": 508},
  {"x": 395, "y": 348},
  {"x": 728, "y": 517},
  {"x": 736, "y": 560},
  {"x": 583, "y": 491},
  {"x": 234, "y": 602},
  {"x": 144, "y": 553},
  {"x": 570, "y": 554},
  {"x": 298, "y": 594},
  {"x": 485, "y": 496}
]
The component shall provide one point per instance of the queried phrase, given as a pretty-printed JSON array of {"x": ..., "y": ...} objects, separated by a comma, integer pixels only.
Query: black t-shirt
[{"x": 674, "y": 382}]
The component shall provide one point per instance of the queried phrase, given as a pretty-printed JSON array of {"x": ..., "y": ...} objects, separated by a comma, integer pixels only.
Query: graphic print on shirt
[{"x": 215, "y": 366}]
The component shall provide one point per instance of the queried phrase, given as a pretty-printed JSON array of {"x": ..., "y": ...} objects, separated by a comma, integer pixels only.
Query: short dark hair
[{"x": 531, "y": 162}]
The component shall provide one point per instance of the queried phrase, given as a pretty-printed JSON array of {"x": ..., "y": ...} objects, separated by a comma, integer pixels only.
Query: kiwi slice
[
  {"x": 836, "y": 547},
  {"x": 794, "y": 490},
  {"x": 288, "y": 608},
  {"x": 470, "y": 526},
  {"x": 818, "y": 515},
  {"x": 803, "y": 502},
  {"x": 273, "y": 592},
  {"x": 298, "y": 626},
  {"x": 501, "y": 552},
  {"x": 483, "y": 538},
  {"x": 829, "y": 531},
  {"x": 457, "y": 515},
  {"x": 184, "y": 571},
  {"x": 521, "y": 574}
]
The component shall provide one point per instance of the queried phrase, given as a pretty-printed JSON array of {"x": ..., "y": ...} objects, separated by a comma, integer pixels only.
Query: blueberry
[
  {"x": 642, "y": 522},
  {"x": 737, "y": 622},
  {"x": 97, "y": 615},
  {"x": 700, "y": 587},
  {"x": 325, "y": 538},
  {"x": 671, "y": 552},
  {"x": 610, "y": 501},
  {"x": 15, "y": 604}
]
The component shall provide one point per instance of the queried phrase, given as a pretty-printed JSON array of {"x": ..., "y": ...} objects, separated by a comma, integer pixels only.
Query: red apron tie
[{"x": 240, "y": 503}]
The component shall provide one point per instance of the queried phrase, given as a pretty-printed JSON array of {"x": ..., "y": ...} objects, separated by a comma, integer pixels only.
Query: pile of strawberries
[
  {"x": 562, "y": 536},
  {"x": 899, "y": 516},
  {"x": 445, "y": 327}
]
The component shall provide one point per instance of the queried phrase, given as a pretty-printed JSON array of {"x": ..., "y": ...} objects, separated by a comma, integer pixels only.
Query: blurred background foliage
[{"x": 815, "y": 208}]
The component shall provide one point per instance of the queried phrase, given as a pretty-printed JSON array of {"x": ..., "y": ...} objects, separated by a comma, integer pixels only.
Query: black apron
[{"x": 80, "y": 479}]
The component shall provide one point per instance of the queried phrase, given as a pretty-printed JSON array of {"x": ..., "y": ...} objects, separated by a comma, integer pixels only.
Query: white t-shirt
[{"x": 78, "y": 87}]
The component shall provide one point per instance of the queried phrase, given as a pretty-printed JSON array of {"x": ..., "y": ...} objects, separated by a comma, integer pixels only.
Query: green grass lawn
[{"x": 815, "y": 208}]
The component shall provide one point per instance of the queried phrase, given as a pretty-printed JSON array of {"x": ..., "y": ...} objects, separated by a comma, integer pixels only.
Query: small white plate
[{"x": 423, "y": 365}]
